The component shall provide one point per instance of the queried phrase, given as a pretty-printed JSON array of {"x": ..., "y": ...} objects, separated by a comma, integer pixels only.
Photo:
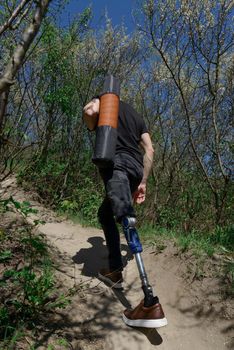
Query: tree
[
  {"x": 13, "y": 18},
  {"x": 194, "y": 41}
]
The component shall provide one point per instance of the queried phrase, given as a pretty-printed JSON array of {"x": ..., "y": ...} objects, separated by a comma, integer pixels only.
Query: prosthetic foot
[{"x": 149, "y": 312}]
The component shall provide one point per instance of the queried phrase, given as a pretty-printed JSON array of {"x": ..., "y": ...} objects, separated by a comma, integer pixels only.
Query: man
[{"x": 124, "y": 182}]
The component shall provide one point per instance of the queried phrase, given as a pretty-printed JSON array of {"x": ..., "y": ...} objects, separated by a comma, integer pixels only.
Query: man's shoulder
[
  {"x": 123, "y": 104},
  {"x": 127, "y": 108}
]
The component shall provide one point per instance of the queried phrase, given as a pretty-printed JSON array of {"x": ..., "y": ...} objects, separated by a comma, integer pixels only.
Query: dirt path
[{"x": 197, "y": 319}]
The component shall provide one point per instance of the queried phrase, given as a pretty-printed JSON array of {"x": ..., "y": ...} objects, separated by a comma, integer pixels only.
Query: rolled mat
[{"x": 106, "y": 132}]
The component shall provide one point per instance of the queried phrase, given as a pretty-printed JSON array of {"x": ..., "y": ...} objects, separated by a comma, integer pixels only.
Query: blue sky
[{"x": 119, "y": 11}]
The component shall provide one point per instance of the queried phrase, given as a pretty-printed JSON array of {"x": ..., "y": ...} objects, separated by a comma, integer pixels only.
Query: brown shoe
[
  {"x": 113, "y": 279},
  {"x": 148, "y": 317}
]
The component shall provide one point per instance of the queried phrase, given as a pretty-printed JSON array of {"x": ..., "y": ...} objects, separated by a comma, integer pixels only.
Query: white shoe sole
[
  {"x": 117, "y": 285},
  {"x": 145, "y": 323}
]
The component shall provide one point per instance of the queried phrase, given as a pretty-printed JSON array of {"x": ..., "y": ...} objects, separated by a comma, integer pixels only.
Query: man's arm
[
  {"x": 90, "y": 113},
  {"x": 146, "y": 144}
]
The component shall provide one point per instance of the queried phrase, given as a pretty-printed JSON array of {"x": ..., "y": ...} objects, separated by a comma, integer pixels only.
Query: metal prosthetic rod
[{"x": 135, "y": 246}]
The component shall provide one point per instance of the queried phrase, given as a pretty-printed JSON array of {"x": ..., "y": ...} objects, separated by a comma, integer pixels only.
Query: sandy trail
[{"x": 196, "y": 317}]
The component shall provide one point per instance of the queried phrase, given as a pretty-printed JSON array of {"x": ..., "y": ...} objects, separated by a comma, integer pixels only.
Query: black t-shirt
[{"x": 130, "y": 128}]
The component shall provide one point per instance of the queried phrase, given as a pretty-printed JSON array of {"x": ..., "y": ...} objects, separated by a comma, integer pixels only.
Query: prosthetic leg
[{"x": 135, "y": 246}]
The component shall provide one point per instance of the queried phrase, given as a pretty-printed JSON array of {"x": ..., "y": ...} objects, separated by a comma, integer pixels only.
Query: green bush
[
  {"x": 85, "y": 202},
  {"x": 223, "y": 236},
  {"x": 27, "y": 281}
]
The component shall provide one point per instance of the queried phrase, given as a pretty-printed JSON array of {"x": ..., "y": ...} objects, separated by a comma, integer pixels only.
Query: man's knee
[{"x": 119, "y": 194}]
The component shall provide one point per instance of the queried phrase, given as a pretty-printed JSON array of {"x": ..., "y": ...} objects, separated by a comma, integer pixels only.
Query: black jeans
[{"x": 120, "y": 182}]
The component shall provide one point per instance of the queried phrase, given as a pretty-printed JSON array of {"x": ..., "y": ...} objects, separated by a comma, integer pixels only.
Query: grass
[
  {"x": 220, "y": 242},
  {"x": 78, "y": 218}
]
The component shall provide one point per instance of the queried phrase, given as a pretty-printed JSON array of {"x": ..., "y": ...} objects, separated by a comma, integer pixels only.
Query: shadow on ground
[
  {"x": 103, "y": 319},
  {"x": 95, "y": 257},
  {"x": 92, "y": 316}
]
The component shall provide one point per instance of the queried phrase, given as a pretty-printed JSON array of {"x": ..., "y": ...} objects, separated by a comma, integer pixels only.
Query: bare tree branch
[
  {"x": 21, "y": 50},
  {"x": 14, "y": 14}
]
